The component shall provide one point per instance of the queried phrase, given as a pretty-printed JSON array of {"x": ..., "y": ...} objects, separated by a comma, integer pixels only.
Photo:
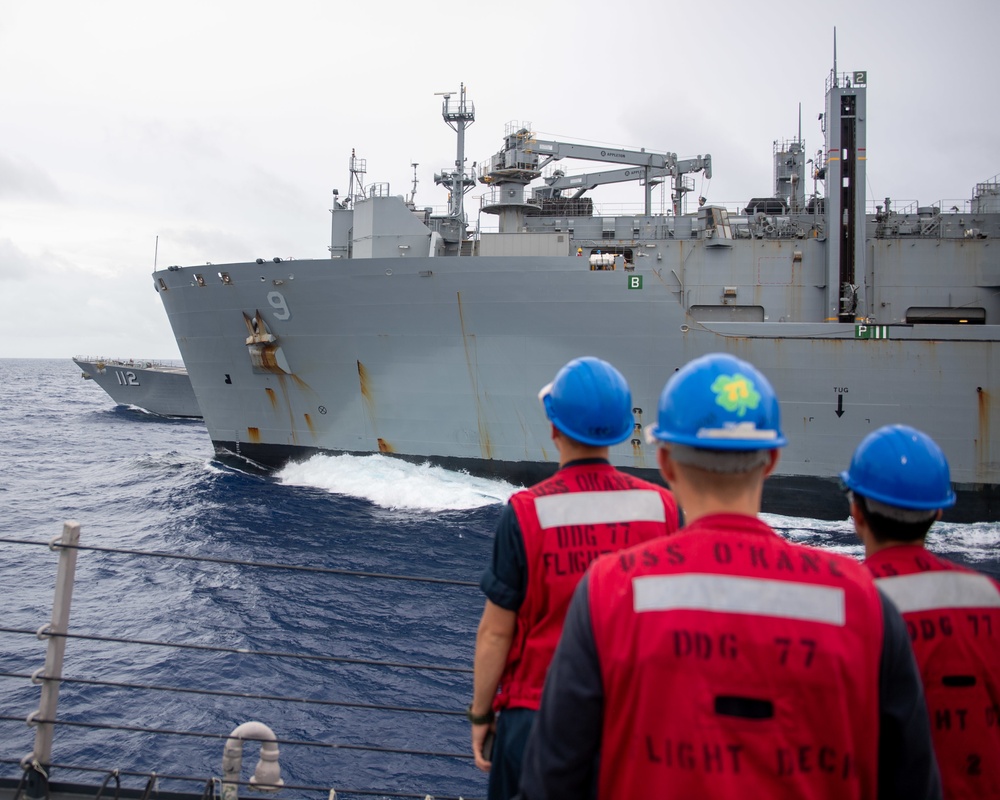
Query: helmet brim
[
  {"x": 731, "y": 438},
  {"x": 912, "y": 505}
]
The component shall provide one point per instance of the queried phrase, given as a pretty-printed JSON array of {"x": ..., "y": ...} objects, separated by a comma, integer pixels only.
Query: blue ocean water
[{"x": 135, "y": 481}]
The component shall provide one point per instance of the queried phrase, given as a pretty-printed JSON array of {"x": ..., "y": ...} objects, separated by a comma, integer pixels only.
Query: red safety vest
[
  {"x": 736, "y": 664},
  {"x": 567, "y": 521},
  {"x": 953, "y": 616}
]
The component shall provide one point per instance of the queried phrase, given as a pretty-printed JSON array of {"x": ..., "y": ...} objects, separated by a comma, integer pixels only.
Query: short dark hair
[{"x": 886, "y": 529}]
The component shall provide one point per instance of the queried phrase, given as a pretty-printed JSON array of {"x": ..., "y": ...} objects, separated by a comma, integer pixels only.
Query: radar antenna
[{"x": 835, "y": 53}]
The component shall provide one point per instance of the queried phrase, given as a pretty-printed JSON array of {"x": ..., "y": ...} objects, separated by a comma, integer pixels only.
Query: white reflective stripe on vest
[
  {"x": 595, "y": 508},
  {"x": 924, "y": 591},
  {"x": 734, "y": 595}
]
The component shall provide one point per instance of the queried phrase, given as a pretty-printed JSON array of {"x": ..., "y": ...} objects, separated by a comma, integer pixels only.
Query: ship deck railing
[
  {"x": 140, "y": 363},
  {"x": 488, "y": 223},
  {"x": 989, "y": 186},
  {"x": 913, "y": 207},
  {"x": 44, "y": 773}
]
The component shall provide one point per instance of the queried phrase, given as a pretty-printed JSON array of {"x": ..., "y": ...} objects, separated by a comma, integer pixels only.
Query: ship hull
[
  {"x": 813, "y": 497},
  {"x": 440, "y": 359},
  {"x": 159, "y": 389}
]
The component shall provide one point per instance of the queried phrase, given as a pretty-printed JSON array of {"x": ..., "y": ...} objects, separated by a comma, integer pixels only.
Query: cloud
[
  {"x": 118, "y": 148},
  {"x": 57, "y": 313},
  {"x": 18, "y": 265},
  {"x": 14, "y": 263},
  {"x": 22, "y": 180}
]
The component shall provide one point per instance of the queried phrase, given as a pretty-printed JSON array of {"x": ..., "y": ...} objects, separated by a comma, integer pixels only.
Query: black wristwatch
[{"x": 479, "y": 719}]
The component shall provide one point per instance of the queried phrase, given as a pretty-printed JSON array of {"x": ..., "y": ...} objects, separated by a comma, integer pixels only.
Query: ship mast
[
  {"x": 357, "y": 167},
  {"x": 845, "y": 129},
  {"x": 413, "y": 192},
  {"x": 458, "y": 116}
]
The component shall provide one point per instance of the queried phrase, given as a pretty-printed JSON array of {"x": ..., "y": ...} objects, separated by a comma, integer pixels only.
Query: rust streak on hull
[
  {"x": 983, "y": 438},
  {"x": 288, "y": 405},
  {"x": 485, "y": 445},
  {"x": 366, "y": 393},
  {"x": 368, "y": 398}
]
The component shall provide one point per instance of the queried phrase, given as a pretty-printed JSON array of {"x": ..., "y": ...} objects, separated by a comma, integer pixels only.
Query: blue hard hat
[
  {"x": 589, "y": 401},
  {"x": 902, "y": 467},
  {"x": 718, "y": 402}
]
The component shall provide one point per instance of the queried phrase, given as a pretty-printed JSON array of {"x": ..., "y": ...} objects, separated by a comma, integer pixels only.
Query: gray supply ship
[
  {"x": 156, "y": 387},
  {"x": 423, "y": 340}
]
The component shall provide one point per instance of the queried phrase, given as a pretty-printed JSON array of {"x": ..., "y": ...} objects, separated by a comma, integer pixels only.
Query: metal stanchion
[{"x": 37, "y": 762}]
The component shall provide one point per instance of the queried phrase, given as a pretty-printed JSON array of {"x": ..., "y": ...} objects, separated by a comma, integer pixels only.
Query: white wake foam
[{"x": 396, "y": 484}]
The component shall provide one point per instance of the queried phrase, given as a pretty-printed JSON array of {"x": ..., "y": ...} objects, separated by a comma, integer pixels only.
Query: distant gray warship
[
  {"x": 422, "y": 340},
  {"x": 162, "y": 389}
]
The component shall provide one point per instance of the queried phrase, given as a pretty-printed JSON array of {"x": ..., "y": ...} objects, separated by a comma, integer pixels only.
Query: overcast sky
[{"x": 222, "y": 127}]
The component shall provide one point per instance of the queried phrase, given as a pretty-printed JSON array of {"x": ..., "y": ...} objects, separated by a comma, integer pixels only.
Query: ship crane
[
  {"x": 529, "y": 155},
  {"x": 648, "y": 175}
]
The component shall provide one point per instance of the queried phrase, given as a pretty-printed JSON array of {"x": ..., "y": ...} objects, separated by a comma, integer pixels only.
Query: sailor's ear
[
  {"x": 772, "y": 463},
  {"x": 668, "y": 470},
  {"x": 857, "y": 513}
]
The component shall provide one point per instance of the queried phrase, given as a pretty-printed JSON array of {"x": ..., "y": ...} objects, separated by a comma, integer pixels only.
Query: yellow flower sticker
[{"x": 736, "y": 393}]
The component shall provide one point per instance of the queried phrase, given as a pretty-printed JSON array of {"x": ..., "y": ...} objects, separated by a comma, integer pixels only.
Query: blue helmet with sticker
[
  {"x": 589, "y": 401},
  {"x": 902, "y": 467},
  {"x": 718, "y": 402}
]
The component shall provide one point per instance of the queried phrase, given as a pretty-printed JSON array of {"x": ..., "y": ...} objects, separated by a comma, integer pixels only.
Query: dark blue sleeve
[
  {"x": 504, "y": 582},
  {"x": 907, "y": 767},
  {"x": 561, "y": 755}
]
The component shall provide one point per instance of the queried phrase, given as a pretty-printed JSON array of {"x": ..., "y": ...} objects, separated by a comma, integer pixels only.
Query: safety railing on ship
[
  {"x": 38, "y": 766},
  {"x": 141, "y": 363}
]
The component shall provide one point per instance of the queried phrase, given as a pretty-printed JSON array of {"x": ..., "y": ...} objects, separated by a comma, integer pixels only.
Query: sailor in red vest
[
  {"x": 725, "y": 661},
  {"x": 898, "y": 483},
  {"x": 547, "y": 537}
]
